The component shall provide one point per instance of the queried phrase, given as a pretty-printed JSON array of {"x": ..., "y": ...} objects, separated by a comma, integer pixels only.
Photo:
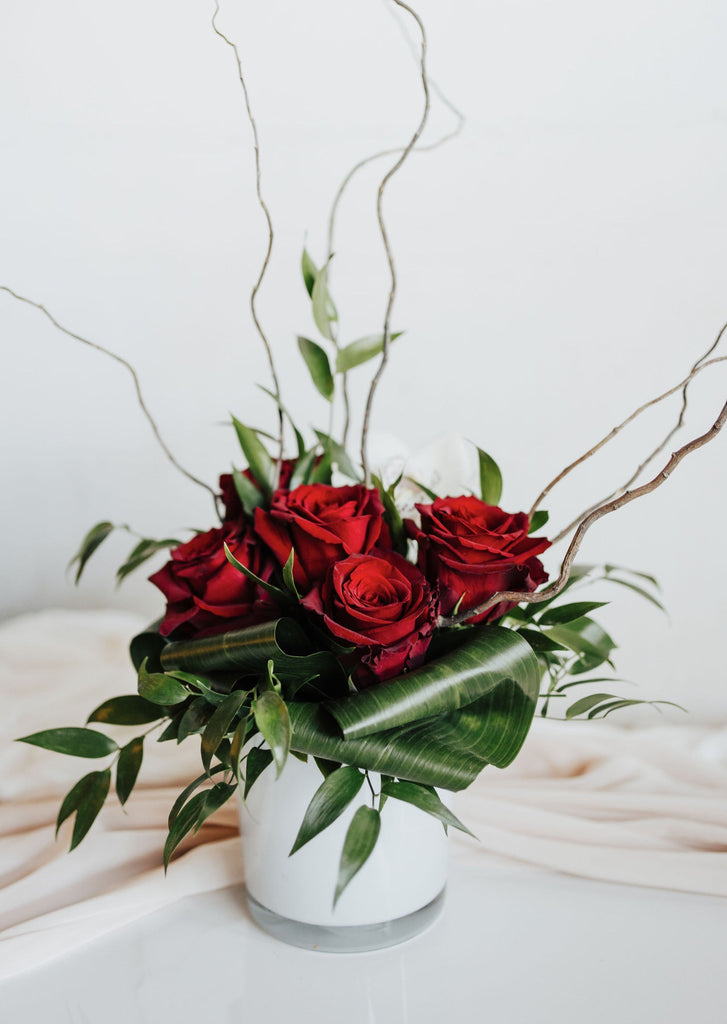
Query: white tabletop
[{"x": 514, "y": 944}]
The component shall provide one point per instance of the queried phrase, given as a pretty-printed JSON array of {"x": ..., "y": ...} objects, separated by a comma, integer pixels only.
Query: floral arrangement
[{"x": 373, "y": 626}]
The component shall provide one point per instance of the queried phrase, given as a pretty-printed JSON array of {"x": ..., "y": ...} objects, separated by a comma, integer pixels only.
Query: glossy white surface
[
  {"x": 405, "y": 872},
  {"x": 514, "y": 945}
]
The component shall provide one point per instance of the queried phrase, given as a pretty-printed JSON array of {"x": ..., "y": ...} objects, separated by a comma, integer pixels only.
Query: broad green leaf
[
  {"x": 324, "y": 311},
  {"x": 322, "y": 470},
  {"x": 329, "y": 801},
  {"x": 219, "y": 725},
  {"x": 338, "y": 455},
  {"x": 269, "y": 587},
  {"x": 148, "y": 645},
  {"x": 160, "y": 688},
  {"x": 359, "y": 352},
  {"x": 357, "y": 847},
  {"x": 426, "y": 800},
  {"x": 392, "y": 516},
  {"x": 490, "y": 478},
  {"x": 86, "y": 799},
  {"x": 326, "y": 767},
  {"x": 562, "y": 613},
  {"x": 538, "y": 520},
  {"x": 202, "y": 685},
  {"x": 215, "y": 797},
  {"x": 318, "y": 366},
  {"x": 93, "y": 539},
  {"x": 126, "y": 710},
  {"x": 251, "y": 497},
  {"x": 127, "y": 768},
  {"x": 439, "y": 725},
  {"x": 74, "y": 741},
  {"x": 143, "y": 551},
  {"x": 310, "y": 272},
  {"x": 585, "y": 637},
  {"x": 258, "y": 458},
  {"x": 273, "y": 721},
  {"x": 255, "y": 764}
]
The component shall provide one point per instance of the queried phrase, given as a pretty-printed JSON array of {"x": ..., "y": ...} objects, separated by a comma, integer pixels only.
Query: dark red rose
[
  {"x": 323, "y": 524},
  {"x": 228, "y": 491},
  {"x": 473, "y": 550},
  {"x": 383, "y": 605},
  {"x": 205, "y": 594}
]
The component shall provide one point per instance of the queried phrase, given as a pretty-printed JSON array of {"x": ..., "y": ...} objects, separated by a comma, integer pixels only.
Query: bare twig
[
  {"x": 453, "y": 133},
  {"x": 268, "y": 219},
  {"x": 132, "y": 371},
  {"x": 520, "y": 597},
  {"x": 681, "y": 386},
  {"x": 385, "y": 238}
]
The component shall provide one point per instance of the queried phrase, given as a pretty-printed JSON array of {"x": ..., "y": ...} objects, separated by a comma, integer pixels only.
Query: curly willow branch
[
  {"x": 268, "y": 219},
  {"x": 555, "y": 588},
  {"x": 132, "y": 371},
  {"x": 385, "y": 237},
  {"x": 681, "y": 386}
]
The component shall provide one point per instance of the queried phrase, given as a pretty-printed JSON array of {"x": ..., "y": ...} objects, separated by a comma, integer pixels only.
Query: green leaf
[
  {"x": 357, "y": 847},
  {"x": 273, "y": 721},
  {"x": 188, "y": 790},
  {"x": 585, "y": 637},
  {"x": 288, "y": 577},
  {"x": 560, "y": 614},
  {"x": 259, "y": 461},
  {"x": 251, "y": 497},
  {"x": 338, "y": 455},
  {"x": 310, "y": 272},
  {"x": 86, "y": 799},
  {"x": 637, "y": 590},
  {"x": 392, "y": 516},
  {"x": 324, "y": 311},
  {"x": 250, "y": 649},
  {"x": 439, "y": 725},
  {"x": 195, "y": 718},
  {"x": 303, "y": 468},
  {"x": 318, "y": 366},
  {"x": 541, "y": 643},
  {"x": 329, "y": 801},
  {"x": 148, "y": 645},
  {"x": 127, "y": 768},
  {"x": 126, "y": 710},
  {"x": 74, "y": 741},
  {"x": 215, "y": 797},
  {"x": 219, "y": 724},
  {"x": 326, "y": 767},
  {"x": 183, "y": 823},
  {"x": 142, "y": 553},
  {"x": 490, "y": 478},
  {"x": 632, "y": 572},
  {"x": 269, "y": 587},
  {"x": 255, "y": 764},
  {"x": 432, "y": 495},
  {"x": 361, "y": 351},
  {"x": 586, "y": 703},
  {"x": 321, "y": 472},
  {"x": 298, "y": 436},
  {"x": 538, "y": 520},
  {"x": 426, "y": 800},
  {"x": 160, "y": 688},
  {"x": 93, "y": 540}
]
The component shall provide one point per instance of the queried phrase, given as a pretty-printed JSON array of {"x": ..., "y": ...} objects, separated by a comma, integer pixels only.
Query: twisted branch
[
  {"x": 519, "y": 597},
  {"x": 385, "y": 238},
  {"x": 681, "y": 386},
  {"x": 268, "y": 219},
  {"x": 132, "y": 371}
]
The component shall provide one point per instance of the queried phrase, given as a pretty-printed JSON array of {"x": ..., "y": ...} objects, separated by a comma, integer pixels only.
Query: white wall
[{"x": 559, "y": 263}]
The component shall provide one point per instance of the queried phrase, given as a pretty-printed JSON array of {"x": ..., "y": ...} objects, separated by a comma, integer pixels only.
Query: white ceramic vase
[{"x": 395, "y": 895}]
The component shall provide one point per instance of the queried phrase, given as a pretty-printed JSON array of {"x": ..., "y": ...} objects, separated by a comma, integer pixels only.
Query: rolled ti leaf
[
  {"x": 467, "y": 673},
  {"x": 282, "y": 641}
]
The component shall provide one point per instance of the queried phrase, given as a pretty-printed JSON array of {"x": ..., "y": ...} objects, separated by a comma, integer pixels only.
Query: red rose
[
  {"x": 228, "y": 491},
  {"x": 383, "y": 605},
  {"x": 323, "y": 524},
  {"x": 473, "y": 550},
  {"x": 205, "y": 594}
]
